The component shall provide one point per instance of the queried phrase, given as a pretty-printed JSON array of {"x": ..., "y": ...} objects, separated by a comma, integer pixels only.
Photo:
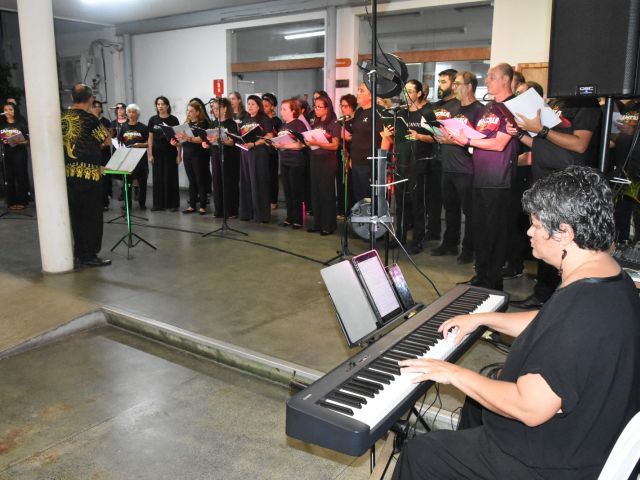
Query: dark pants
[
  {"x": 165, "y": 178},
  {"x": 411, "y": 208},
  {"x": 197, "y": 169},
  {"x": 231, "y": 180},
  {"x": 626, "y": 208},
  {"x": 343, "y": 180},
  {"x": 254, "y": 185},
  {"x": 361, "y": 181},
  {"x": 518, "y": 241},
  {"x": 456, "y": 198},
  {"x": 273, "y": 175},
  {"x": 17, "y": 170},
  {"x": 434, "y": 197},
  {"x": 293, "y": 178},
  {"x": 85, "y": 211},
  {"x": 323, "y": 191},
  {"x": 141, "y": 174},
  {"x": 490, "y": 213}
]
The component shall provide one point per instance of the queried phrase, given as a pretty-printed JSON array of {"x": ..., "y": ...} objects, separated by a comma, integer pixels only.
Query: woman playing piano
[{"x": 572, "y": 379}]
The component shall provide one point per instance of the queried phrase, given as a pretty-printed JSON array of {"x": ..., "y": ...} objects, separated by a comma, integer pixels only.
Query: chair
[{"x": 625, "y": 453}]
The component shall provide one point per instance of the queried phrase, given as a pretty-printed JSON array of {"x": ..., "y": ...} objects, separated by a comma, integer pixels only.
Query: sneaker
[{"x": 443, "y": 249}]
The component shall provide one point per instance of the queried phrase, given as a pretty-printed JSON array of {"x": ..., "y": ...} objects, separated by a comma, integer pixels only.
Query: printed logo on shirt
[
  {"x": 442, "y": 113},
  {"x": 247, "y": 127},
  {"x": 8, "y": 132},
  {"x": 131, "y": 135},
  {"x": 490, "y": 122},
  {"x": 564, "y": 122},
  {"x": 630, "y": 118},
  {"x": 463, "y": 119}
]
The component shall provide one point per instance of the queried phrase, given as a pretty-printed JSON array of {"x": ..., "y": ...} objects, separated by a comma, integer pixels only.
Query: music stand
[
  {"x": 125, "y": 186},
  {"x": 225, "y": 226},
  {"x": 123, "y": 162}
]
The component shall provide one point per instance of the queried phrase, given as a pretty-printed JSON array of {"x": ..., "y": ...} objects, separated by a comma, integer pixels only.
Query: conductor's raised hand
[{"x": 461, "y": 326}]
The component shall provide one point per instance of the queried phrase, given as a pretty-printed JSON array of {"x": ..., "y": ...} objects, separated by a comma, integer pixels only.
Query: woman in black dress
[
  {"x": 196, "y": 159},
  {"x": 292, "y": 163},
  {"x": 239, "y": 112},
  {"x": 348, "y": 105},
  {"x": 323, "y": 168},
  {"x": 164, "y": 158},
  {"x": 254, "y": 163},
  {"x": 15, "y": 157},
  {"x": 221, "y": 111}
]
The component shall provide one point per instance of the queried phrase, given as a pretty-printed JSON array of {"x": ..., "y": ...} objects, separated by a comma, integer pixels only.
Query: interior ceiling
[{"x": 113, "y": 12}]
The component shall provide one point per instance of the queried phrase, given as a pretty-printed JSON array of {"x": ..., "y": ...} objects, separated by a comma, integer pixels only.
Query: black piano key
[
  {"x": 410, "y": 348},
  {"x": 416, "y": 343},
  {"x": 337, "y": 408},
  {"x": 429, "y": 339},
  {"x": 345, "y": 399},
  {"x": 386, "y": 369},
  {"x": 375, "y": 386},
  {"x": 392, "y": 367},
  {"x": 394, "y": 353},
  {"x": 359, "y": 390},
  {"x": 376, "y": 376}
]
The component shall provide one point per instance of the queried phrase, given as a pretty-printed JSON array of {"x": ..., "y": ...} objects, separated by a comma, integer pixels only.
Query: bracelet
[
  {"x": 520, "y": 135},
  {"x": 468, "y": 144},
  {"x": 544, "y": 132}
]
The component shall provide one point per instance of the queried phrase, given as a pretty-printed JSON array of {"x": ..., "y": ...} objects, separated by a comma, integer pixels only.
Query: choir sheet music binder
[{"x": 124, "y": 160}]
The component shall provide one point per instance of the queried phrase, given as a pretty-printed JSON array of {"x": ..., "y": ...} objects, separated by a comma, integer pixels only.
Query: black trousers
[
  {"x": 293, "y": 180},
  {"x": 17, "y": 170},
  {"x": 165, "y": 178},
  {"x": 518, "y": 241},
  {"x": 197, "y": 169},
  {"x": 490, "y": 213},
  {"x": 411, "y": 209},
  {"x": 361, "y": 181},
  {"x": 625, "y": 209},
  {"x": 343, "y": 179},
  {"x": 85, "y": 211},
  {"x": 434, "y": 197},
  {"x": 231, "y": 180},
  {"x": 456, "y": 198},
  {"x": 141, "y": 174},
  {"x": 274, "y": 181},
  {"x": 254, "y": 185},
  {"x": 323, "y": 191}
]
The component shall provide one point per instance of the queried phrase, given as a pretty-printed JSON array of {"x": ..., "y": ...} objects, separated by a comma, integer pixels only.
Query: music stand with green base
[{"x": 123, "y": 162}]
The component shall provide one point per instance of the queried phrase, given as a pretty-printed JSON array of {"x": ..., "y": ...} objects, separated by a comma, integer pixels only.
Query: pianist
[{"x": 572, "y": 379}]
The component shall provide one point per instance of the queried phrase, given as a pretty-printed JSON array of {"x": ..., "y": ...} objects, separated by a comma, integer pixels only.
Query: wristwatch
[
  {"x": 544, "y": 132},
  {"x": 468, "y": 144}
]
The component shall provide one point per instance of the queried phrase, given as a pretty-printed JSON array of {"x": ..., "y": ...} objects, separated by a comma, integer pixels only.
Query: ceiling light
[{"x": 294, "y": 36}]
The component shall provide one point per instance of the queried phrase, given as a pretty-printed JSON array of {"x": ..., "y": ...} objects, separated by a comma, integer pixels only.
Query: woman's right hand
[
  {"x": 173, "y": 141},
  {"x": 460, "y": 325}
]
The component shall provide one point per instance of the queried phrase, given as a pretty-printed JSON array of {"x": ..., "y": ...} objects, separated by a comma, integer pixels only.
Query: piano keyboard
[{"x": 368, "y": 392}]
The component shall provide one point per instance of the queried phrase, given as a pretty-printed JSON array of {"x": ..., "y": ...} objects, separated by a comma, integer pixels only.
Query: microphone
[
  {"x": 1, "y": 114},
  {"x": 112, "y": 108}
]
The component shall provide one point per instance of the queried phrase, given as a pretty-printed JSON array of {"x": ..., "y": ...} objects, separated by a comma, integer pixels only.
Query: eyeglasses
[{"x": 318, "y": 107}]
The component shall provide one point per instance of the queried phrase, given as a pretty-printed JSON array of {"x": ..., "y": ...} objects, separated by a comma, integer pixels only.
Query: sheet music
[
  {"x": 527, "y": 104},
  {"x": 378, "y": 284},
  {"x": 455, "y": 125},
  {"x": 316, "y": 135},
  {"x": 125, "y": 160}
]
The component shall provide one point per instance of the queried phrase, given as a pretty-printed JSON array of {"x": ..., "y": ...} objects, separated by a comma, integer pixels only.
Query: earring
[{"x": 564, "y": 254}]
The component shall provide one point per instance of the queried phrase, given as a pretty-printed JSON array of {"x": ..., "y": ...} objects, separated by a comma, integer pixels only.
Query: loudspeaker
[{"x": 594, "y": 48}]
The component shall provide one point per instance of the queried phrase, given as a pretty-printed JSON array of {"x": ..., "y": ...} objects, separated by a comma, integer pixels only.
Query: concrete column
[
  {"x": 35, "y": 19},
  {"x": 330, "y": 35},
  {"x": 128, "y": 68}
]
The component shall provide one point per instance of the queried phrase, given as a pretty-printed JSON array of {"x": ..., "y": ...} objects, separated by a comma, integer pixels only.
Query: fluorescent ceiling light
[
  {"x": 294, "y": 36},
  {"x": 296, "y": 56}
]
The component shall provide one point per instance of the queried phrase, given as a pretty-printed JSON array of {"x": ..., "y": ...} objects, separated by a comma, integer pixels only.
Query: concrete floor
[{"x": 82, "y": 399}]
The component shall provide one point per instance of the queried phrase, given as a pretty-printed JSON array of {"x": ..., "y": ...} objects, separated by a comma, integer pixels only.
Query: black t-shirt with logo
[
  {"x": 629, "y": 115},
  {"x": 456, "y": 159},
  {"x": 575, "y": 114},
  {"x": 331, "y": 129},
  {"x": 159, "y": 139},
  {"x": 254, "y": 127},
  {"x": 9, "y": 130},
  {"x": 494, "y": 169},
  {"x": 192, "y": 149},
  {"x": 132, "y": 134},
  {"x": 361, "y": 136},
  {"x": 82, "y": 135},
  {"x": 414, "y": 154},
  {"x": 292, "y": 158}
]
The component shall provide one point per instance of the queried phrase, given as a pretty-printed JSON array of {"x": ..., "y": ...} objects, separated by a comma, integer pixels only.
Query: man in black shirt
[
  {"x": 83, "y": 135},
  {"x": 574, "y": 141},
  {"x": 494, "y": 163},
  {"x": 361, "y": 144},
  {"x": 457, "y": 173}
]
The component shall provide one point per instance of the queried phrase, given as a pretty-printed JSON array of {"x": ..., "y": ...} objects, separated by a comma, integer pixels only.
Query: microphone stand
[
  {"x": 225, "y": 228},
  {"x": 344, "y": 235}
]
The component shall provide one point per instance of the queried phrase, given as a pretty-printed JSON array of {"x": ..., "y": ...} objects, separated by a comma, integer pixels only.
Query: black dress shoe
[
  {"x": 189, "y": 210},
  {"x": 530, "y": 302},
  {"x": 296, "y": 226},
  {"x": 511, "y": 272},
  {"x": 444, "y": 250},
  {"x": 95, "y": 262},
  {"x": 414, "y": 248},
  {"x": 324, "y": 233},
  {"x": 474, "y": 281},
  {"x": 156, "y": 209},
  {"x": 312, "y": 230},
  {"x": 284, "y": 224}
]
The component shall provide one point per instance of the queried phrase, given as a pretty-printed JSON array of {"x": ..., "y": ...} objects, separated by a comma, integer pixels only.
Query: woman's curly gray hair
[{"x": 576, "y": 196}]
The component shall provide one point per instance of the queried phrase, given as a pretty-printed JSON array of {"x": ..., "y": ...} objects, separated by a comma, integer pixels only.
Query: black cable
[
  {"x": 411, "y": 259},
  {"x": 452, "y": 414}
]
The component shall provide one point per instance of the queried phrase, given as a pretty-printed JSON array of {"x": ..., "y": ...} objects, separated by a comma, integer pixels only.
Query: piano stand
[{"x": 386, "y": 454}]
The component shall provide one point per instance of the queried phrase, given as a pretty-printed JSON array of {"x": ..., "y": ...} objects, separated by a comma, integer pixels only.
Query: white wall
[{"x": 521, "y": 31}]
